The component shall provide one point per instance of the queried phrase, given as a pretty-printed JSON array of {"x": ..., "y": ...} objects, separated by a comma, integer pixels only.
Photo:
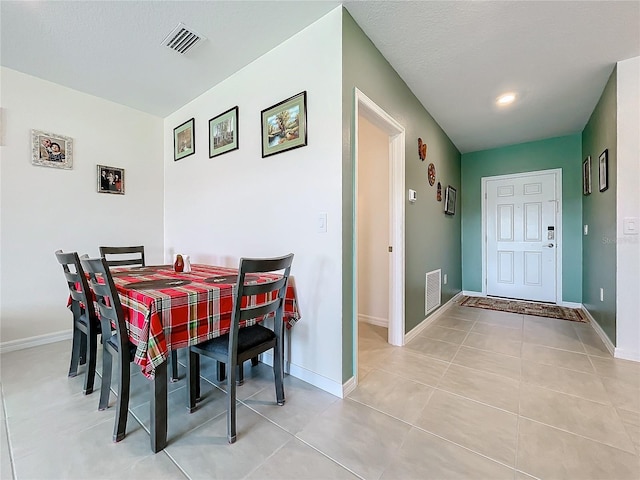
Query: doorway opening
[{"x": 379, "y": 248}]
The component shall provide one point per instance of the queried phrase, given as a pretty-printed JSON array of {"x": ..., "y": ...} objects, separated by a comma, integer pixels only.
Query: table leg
[{"x": 158, "y": 405}]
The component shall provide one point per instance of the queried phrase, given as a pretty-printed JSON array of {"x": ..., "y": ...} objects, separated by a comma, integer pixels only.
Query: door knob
[{"x": 550, "y": 245}]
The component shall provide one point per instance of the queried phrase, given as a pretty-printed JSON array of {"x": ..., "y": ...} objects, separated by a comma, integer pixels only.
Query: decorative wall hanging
[
  {"x": 51, "y": 150},
  {"x": 603, "y": 163},
  {"x": 450, "y": 200},
  {"x": 422, "y": 149},
  {"x": 431, "y": 174},
  {"x": 439, "y": 193},
  {"x": 586, "y": 176},
  {"x": 223, "y": 133},
  {"x": 284, "y": 125},
  {"x": 184, "y": 140},
  {"x": 110, "y": 180}
]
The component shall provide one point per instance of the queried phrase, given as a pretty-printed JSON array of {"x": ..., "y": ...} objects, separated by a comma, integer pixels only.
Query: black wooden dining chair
[
  {"x": 86, "y": 326},
  {"x": 242, "y": 344},
  {"x": 123, "y": 256},
  {"x": 115, "y": 344},
  {"x": 132, "y": 257}
]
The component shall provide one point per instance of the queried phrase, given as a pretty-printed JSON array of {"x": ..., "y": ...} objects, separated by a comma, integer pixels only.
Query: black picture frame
[
  {"x": 450, "y": 195},
  {"x": 289, "y": 115},
  {"x": 603, "y": 168},
  {"x": 184, "y": 140},
  {"x": 224, "y": 133},
  {"x": 110, "y": 180},
  {"x": 586, "y": 176}
]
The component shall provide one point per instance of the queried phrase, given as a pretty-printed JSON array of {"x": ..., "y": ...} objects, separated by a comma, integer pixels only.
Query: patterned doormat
[{"x": 525, "y": 308}]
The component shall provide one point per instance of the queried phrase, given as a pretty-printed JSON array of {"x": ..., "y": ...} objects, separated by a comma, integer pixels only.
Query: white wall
[
  {"x": 373, "y": 223},
  {"x": 46, "y": 209},
  {"x": 240, "y": 204},
  {"x": 628, "y": 205}
]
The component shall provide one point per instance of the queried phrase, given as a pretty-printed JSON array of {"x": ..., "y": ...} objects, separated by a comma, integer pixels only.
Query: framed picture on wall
[
  {"x": 110, "y": 180},
  {"x": 603, "y": 167},
  {"x": 284, "y": 125},
  {"x": 223, "y": 133},
  {"x": 51, "y": 150},
  {"x": 184, "y": 140},
  {"x": 586, "y": 176},
  {"x": 450, "y": 200}
]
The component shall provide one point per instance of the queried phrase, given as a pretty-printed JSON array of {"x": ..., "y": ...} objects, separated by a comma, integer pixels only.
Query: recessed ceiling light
[{"x": 506, "y": 99}]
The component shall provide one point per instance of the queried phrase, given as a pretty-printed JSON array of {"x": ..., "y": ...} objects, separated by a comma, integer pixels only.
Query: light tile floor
[{"x": 478, "y": 395}]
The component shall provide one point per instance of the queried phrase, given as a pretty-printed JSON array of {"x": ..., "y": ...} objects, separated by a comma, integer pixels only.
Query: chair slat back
[
  {"x": 136, "y": 260},
  {"x": 107, "y": 299},
  {"x": 275, "y": 305},
  {"x": 76, "y": 282}
]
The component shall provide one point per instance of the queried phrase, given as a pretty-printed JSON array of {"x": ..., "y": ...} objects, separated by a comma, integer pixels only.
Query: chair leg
[
  {"x": 231, "y": 403},
  {"x": 90, "y": 374},
  {"x": 220, "y": 371},
  {"x": 278, "y": 372},
  {"x": 174, "y": 366},
  {"x": 122, "y": 406},
  {"x": 254, "y": 361},
  {"x": 106, "y": 380},
  {"x": 83, "y": 349},
  {"x": 240, "y": 379},
  {"x": 75, "y": 352},
  {"x": 193, "y": 379}
]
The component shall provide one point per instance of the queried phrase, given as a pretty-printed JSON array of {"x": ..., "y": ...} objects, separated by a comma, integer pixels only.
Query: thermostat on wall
[{"x": 412, "y": 196}]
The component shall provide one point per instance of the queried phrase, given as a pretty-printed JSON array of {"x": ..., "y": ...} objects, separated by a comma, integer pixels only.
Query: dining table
[{"x": 166, "y": 310}]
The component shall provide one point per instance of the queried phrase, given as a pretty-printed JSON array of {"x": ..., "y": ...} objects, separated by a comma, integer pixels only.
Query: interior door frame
[
  {"x": 558, "y": 227},
  {"x": 367, "y": 108}
]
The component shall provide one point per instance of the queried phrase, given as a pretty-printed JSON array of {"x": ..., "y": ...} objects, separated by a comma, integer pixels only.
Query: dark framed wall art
[
  {"x": 450, "y": 200},
  {"x": 223, "y": 133},
  {"x": 184, "y": 140},
  {"x": 284, "y": 125},
  {"x": 110, "y": 180}
]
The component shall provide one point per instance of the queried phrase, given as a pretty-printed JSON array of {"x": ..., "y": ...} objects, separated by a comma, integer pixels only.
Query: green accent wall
[
  {"x": 432, "y": 239},
  {"x": 561, "y": 152},
  {"x": 599, "y": 212}
]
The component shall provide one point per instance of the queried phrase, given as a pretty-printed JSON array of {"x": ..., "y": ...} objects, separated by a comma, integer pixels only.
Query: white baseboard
[
  {"x": 471, "y": 293},
  {"x": 627, "y": 354},
  {"x": 415, "y": 331},
  {"x": 571, "y": 305},
  {"x": 349, "y": 386},
  {"x": 315, "y": 379},
  {"x": 380, "y": 322},
  {"x": 598, "y": 329},
  {"x": 36, "y": 341}
]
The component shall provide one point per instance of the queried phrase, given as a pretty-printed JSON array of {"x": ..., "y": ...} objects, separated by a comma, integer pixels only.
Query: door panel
[{"x": 521, "y": 260}]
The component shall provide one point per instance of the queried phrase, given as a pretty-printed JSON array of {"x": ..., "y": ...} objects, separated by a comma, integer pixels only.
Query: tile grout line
[{"x": 6, "y": 431}]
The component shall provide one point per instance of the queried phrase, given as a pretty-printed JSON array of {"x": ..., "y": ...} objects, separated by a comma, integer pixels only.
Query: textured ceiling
[{"x": 455, "y": 56}]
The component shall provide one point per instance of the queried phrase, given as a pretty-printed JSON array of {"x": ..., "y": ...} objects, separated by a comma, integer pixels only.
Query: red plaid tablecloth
[{"x": 164, "y": 319}]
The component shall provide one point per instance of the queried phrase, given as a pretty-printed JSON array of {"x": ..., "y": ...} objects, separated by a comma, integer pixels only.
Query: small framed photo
[
  {"x": 586, "y": 176},
  {"x": 51, "y": 150},
  {"x": 284, "y": 125},
  {"x": 223, "y": 132},
  {"x": 184, "y": 140},
  {"x": 110, "y": 180},
  {"x": 603, "y": 164},
  {"x": 450, "y": 200}
]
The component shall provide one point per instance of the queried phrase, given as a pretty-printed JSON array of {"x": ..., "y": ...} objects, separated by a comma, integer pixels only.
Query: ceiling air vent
[{"x": 182, "y": 39}]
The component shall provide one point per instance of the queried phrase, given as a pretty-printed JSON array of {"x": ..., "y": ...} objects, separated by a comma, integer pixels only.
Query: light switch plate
[
  {"x": 412, "y": 196},
  {"x": 322, "y": 222},
  {"x": 630, "y": 226},
  {"x": 586, "y": 229}
]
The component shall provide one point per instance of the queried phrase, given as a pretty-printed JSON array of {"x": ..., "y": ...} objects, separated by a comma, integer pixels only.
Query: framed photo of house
[
  {"x": 110, "y": 180},
  {"x": 223, "y": 132},
  {"x": 284, "y": 125},
  {"x": 184, "y": 140},
  {"x": 603, "y": 167},
  {"x": 51, "y": 150},
  {"x": 586, "y": 176},
  {"x": 450, "y": 200}
]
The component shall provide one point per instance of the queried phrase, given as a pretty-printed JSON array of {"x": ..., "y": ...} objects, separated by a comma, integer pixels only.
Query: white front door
[{"x": 521, "y": 236}]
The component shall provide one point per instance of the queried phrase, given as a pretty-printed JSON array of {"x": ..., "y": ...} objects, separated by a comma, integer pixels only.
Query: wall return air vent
[
  {"x": 182, "y": 39},
  {"x": 433, "y": 291}
]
